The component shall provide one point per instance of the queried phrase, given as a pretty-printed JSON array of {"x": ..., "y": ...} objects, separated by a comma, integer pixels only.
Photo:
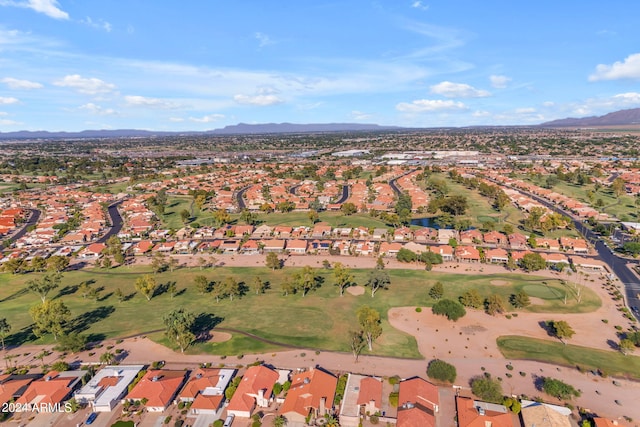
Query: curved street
[
  {"x": 617, "y": 265},
  {"x": 34, "y": 216},
  {"x": 116, "y": 222}
]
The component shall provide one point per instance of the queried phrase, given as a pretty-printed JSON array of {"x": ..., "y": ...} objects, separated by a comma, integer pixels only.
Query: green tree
[
  {"x": 487, "y": 388},
  {"x": 272, "y": 261},
  {"x": 559, "y": 389},
  {"x": 405, "y": 255},
  {"x": 436, "y": 291},
  {"x": 618, "y": 186},
  {"x": 146, "y": 285},
  {"x": 561, "y": 329},
  {"x": 313, "y": 216},
  {"x": 248, "y": 217},
  {"x": 441, "y": 371},
  {"x": 626, "y": 345},
  {"x": 306, "y": 280},
  {"x": 380, "y": 263},
  {"x": 342, "y": 276},
  {"x": 50, "y": 317},
  {"x": 520, "y": 300},
  {"x": 348, "y": 208},
  {"x": 221, "y": 217},
  {"x": 5, "y": 328},
  {"x": 471, "y": 298},
  {"x": 202, "y": 284},
  {"x": 44, "y": 285},
  {"x": 38, "y": 264},
  {"x": 178, "y": 324},
  {"x": 378, "y": 279},
  {"x": 119, "y": 295},
  {"x": 357, "y": 341},
  {"x": 231, "y": 287},
  {"x": 57, "y": 263},
  {"x": 258, "y": 285},
  {"x": 14, "y": 266},
  {"x": 494, "y": 304},
  {"x": 73, "y": 342},
  {"x": 533, "y": 262},
  {"x": 279, "y": 421},
  {"x": 107, "y": 358},
  {"x": 453, "y": 310},
  {"x": 370, "y": 324}
]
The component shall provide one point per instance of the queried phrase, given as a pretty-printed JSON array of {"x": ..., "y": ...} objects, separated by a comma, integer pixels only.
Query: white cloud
[
  {"x": 359, "y": 115},
  {"x": 628, "y": 69},
  {"x": 525, "y": 110},
  {"x": 263, "y": 39},
  {"x": 102, "y": 25},
  {"x": 4, "y": 100},
  {"x": 458, "y": 90},
  {"x": 176, "y": 119},
  {"x": 87, "y": 86},
  {"x": 142, "y": 101},
  {"x": 20, "y": 84},
  {"x": 51, "y": 8},
  {"x": 627, "y": 98},
  {"x": 430, "y": 105},
  {"x": 481, "y": 113},
  {"x": 499, "y": 82},
  {"x": 260, "y": 100},
  {"x": 207, "y": 119},
  {"x": 98, "y": 110},
  {"x": 9, "y": 122},
  {"x": 419, "y": 5}
]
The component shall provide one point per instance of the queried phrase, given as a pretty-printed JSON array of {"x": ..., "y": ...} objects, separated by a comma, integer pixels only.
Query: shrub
[
  {"x": 441, "y": 371},
  {"x": 451, "y": 309},
  {"x": 486, "y": 388},
  {"x": 394, "y": 380},
  {"x": 393, "y": 399},
  {"x": 374, "y": 419},
  {"x": 418, "y": 309}
]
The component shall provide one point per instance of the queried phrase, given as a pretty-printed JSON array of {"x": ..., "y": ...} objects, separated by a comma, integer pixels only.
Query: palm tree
[
  {"x": 279, "y": 421},
  {"x": 332, "y": 421},
  {"x": 107, "y": 358}
]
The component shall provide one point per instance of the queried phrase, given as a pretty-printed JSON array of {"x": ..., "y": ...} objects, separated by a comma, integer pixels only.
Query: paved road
[
  {"x": 34, "y": 216},
  {"x": 345, "y": 194},
  {"x": 116, "y": 222},
  {"x": 240, "y": 197},
  {"x": 293, "y": 189},
  {"x": 393, "y": 185},
  {"x": 616, "y": 264}
]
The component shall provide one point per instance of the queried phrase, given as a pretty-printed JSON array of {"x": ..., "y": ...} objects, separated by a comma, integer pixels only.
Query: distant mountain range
[
  {"x": 239, "y": 129},
  {"x": 617, "y": 118}
]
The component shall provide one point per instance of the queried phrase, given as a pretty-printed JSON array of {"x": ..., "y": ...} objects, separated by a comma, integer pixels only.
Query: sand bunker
[
  {"x": 356, "y": 290},
  {"x": 220, "y": 337}
]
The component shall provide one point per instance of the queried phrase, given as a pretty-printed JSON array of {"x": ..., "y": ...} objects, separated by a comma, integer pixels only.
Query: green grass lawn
[
  {"x": 480, "y": 209},
  {"x": 612, "y": 205},
  {"x": 611, "y": 362},
  {"x": 335, "y": 219},
  {"x": 321, "y": 320}
]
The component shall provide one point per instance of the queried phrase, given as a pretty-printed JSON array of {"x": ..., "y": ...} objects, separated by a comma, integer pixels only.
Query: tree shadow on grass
[
  {"x": 15, "y": 295},
  {"x": 20, "y": 337},
  {"x": 203, "y": 325},
  {"x": 85, "y": 320},
  {"x": 67, "y": 290}
]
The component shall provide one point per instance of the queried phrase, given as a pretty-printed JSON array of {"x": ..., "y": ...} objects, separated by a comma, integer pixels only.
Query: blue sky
[{"x": 203, "y": 64}]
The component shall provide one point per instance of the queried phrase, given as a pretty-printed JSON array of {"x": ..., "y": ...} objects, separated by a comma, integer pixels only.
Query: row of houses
[{"x": 310, "y": 396}]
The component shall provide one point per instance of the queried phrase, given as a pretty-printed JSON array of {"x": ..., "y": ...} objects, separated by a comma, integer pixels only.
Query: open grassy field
[
  {"x": 321, "y": 320},
  {"x": 610, "y": 362},
  {"x": 618, "y": 207},
  {"x": 480, "y": 209}
]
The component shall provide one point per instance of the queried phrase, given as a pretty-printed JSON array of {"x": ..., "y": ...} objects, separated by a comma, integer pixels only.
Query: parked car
[
  {"x": 229, "y": 421},
  {"x": 92, "y": 417}
]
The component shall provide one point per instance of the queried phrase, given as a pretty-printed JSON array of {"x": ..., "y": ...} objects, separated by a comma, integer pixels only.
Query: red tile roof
[{"x": 158, "y": 387}]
